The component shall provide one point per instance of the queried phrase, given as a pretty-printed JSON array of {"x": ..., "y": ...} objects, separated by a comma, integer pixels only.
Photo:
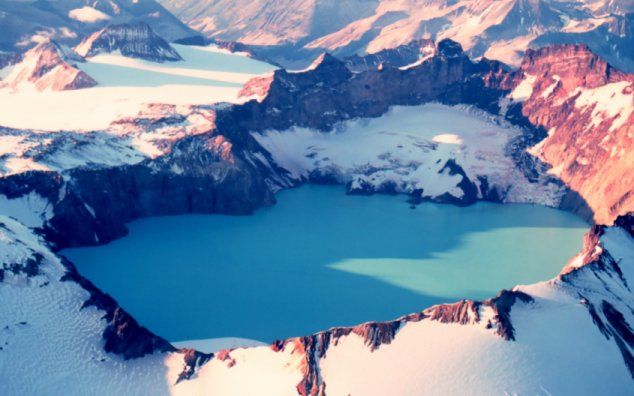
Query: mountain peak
[
  {"x": 329, "y": 65},
  {"x": 448, "y": 48},
  {"x": 49, "y": 66},
  {"x": 134, "y": 40},
  {"x": 325, "y": 60}
]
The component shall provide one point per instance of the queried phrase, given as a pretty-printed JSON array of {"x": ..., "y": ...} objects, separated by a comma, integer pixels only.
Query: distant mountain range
[
  {"x": 289, "y": 32},
  {"x": 28, "y": 22}
]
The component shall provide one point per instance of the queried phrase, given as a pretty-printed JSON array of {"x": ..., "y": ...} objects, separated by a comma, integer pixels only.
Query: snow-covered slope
[
  {"x": 497, "y": 29},
  {"x": 129, "y": 141},
  {"x": 267, "y": 22},
  {"x": 53, "y": 324},
  {"x": 48, "y": 66},
  {"x": 429, "y": 152},
  {"x": 125, "y": 86}
]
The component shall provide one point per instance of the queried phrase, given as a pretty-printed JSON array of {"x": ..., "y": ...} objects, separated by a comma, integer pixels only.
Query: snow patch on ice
[
  {"x": 408, "y": 147},
  {"x": 127, "y": 85},
  {"x": 448, "y": 138}
]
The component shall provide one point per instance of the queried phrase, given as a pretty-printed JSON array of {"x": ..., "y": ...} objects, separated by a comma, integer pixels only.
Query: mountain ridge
[
  {"x": 500, "y": 30},
  {"x": 26, "y": 23}
]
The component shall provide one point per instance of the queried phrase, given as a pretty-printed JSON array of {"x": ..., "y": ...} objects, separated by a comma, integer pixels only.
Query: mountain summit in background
[
  {"x": 28, "y": 22},
  {"x": 500, "y": 29}
]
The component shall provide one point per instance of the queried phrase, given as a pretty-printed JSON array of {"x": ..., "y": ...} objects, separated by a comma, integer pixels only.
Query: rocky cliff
[
  {"x": 587, "y": 107},
  {"x": 407, "y": 55},
  {"x": 135, "y": 40}
]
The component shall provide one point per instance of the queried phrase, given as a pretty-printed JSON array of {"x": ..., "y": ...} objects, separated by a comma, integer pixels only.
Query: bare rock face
[
  {"x": 205, "y": 173},
  {"x": 50, "y": 67},
  {"x": 401, "y": 56},
  {"x": 329, "y": 93},
  {"x": 135, "y": 40},
  {"x": 587, "y": 107},
  {"x": 123, "y": 335}
]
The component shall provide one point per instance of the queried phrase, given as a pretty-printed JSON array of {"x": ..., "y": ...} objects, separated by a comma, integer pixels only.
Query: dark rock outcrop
[
  {"x": 470, "y": 190},
  {"x": 135, "y": 40},
  {"x": 403, "y": 55},
  {"x": 329, "y": 93},
  {"x": 622, "y": 333},
  {"x": 463, "y": 312},
  {"x": 203, "y": 174},
  {"x": 501, "y": 305},
  {"x": 601, "y": 267},
  {"x": 626, "y": 222},
  {"x": 123, "y": 335},
  {"x": 193, "y": 360}
]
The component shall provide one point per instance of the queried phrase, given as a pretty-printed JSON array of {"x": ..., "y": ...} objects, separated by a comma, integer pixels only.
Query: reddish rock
[
  {"x": 47, "y": 67},
  {"x": 593, "y": 160},
  {"x": 463, "y": 312}
]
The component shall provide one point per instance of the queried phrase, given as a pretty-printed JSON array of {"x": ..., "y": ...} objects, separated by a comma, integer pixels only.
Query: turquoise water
[{"x": 320, "y": 258}]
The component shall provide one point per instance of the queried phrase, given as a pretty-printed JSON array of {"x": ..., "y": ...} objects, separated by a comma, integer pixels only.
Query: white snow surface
[
  {"x": 409, "y": 146},
  {"x": 125, "y": 142},
  {"x": 87, "y": 14},
  {"x": 126, "y": 86},
  {"x": 50, "y": 345},
  {"x": 611, "y": 101},
  {"x": 524, "y": 89},
  {"x": 31, "y": 210},
  {"x": 558, "y": 350},
  {"x": 252, "y": 371}
]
